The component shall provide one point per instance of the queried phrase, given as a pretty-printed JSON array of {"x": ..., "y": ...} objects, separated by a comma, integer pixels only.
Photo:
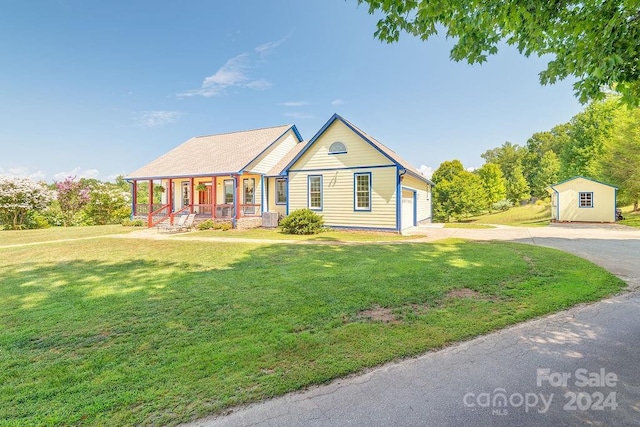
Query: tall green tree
[
  {"x": 594, "y": 41},
  {"x": 458, "y": 193},
  {"x": 517, "y": 187},
  {"x": 621, "y": 162},
  {"x": 536, "y": 147},
  {"x": 545, "y": 174},
  {"x": 447, "y": 171},
  {"x": 589, "y": 131},
  {"x": 493, "y": 184},
  {"x": 507, "y": 156}
]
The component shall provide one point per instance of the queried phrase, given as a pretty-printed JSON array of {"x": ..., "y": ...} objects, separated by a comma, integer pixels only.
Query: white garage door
[{"x": 407, "y": 216}]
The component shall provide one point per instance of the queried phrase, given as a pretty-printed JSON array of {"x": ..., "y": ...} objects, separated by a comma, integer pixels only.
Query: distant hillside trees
[{"x": 601, "y": 142}]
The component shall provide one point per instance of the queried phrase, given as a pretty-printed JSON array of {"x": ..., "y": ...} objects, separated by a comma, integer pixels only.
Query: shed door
[{"x": 408, "y": 216}]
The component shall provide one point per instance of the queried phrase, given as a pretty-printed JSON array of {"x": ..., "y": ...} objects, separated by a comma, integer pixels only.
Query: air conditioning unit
[{"x": 270, "y": 219}]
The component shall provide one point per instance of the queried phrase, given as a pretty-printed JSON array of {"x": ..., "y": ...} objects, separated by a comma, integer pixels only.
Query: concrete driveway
[{"x": 577, "y": 367}]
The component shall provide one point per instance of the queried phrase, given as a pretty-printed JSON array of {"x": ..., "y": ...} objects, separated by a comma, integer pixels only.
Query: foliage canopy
[{"x": 594, "y": 41}]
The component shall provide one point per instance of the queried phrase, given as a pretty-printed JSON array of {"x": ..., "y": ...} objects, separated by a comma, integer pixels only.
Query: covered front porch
[{"x": 227, "y": 197}]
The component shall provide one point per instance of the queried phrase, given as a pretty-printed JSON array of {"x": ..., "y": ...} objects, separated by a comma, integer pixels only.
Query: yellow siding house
[
  {"x": 342, "y": 173},
  {"x": 581, "y": 199},
  {"x": 354, "y": 181}
]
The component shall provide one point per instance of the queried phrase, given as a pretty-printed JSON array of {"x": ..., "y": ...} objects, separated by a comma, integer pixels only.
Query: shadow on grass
[{"x": 149, "y": 341}]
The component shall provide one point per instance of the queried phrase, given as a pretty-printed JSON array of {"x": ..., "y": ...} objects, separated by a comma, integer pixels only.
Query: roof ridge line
[{"x": 243, "y": 131}]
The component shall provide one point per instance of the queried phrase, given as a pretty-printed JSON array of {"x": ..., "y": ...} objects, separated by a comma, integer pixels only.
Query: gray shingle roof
[
  {"x": 389, "y": 152},
  {"x": 279, "y": 167},
  {"x": 212, "y": 154}
]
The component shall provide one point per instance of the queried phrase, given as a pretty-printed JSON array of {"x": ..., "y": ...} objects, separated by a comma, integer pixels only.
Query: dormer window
[{"x": 337, "y": 148}]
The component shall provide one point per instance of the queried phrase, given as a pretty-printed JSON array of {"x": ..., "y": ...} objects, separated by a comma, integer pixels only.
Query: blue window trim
[
  {"x": 580, "y": 193},
  {"x": 309, "y": 193},
  {"x": 286, "y": 191},
  {"x": 355, "y": 192}
]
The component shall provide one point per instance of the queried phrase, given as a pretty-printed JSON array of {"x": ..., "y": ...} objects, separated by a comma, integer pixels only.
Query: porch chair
[
  {"x": 163, "y": 226},
  {"x": 188, "y": 224}
]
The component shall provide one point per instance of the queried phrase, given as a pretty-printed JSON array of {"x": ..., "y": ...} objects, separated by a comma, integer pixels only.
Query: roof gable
[
  {"x": 581, "y": 177},
  {"x": 213, "y": 154},
  {"x": 381, "y": 148}
]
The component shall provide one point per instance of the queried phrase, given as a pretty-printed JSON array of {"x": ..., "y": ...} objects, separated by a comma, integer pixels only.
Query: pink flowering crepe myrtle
[{"x": 73, "y": 196}]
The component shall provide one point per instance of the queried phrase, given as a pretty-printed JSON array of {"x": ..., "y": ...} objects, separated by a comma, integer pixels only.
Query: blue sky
[{"x": 97, "y": 88}]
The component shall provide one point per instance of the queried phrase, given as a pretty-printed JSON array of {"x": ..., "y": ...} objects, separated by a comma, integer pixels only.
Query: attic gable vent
[{"x": 337, "y": 148}]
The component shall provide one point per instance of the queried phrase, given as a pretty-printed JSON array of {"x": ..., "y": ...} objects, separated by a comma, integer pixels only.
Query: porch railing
[
  {"x": 143, "y": 208},
  {"x": 220, "y": 211},
  {"x": 157, "y": 216},
  {"x": 227, "y": 210}
]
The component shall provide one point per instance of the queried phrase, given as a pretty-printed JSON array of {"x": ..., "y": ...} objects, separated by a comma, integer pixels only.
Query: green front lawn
[
  {"x": 631, "y": 218},
  {"x": 13, "y": 237},
  {"x": 133, "y": 331},
  {"x": 276, "y": 234},
  {"x": 528, "y": 216}
]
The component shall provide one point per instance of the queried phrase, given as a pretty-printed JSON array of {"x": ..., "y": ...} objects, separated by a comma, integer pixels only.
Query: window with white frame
[
  {"x": 315, "y": 192},
  {"x": 281, "y": 191},
  {"x": 585, "y": 199},
  {"x": 362, "y": 189}
]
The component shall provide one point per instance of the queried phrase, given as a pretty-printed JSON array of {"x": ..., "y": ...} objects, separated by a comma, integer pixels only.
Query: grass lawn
[
  {"x": 12, "y": 237},
  {"x": 528, "y": 216},
  {"x": 466, "y": 225},
  {"x": 276, "y": 234},
  {"x": 143, "y": 332},
  {"x": 632, "y": 220}
]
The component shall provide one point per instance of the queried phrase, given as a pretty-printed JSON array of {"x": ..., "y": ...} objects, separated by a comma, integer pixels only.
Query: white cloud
[
  {"x": 151, "y": 119},
  {"x": 337, "y": 102},
  {"x": 471, "y": 169},
  {"x": 427, "y": 171},
  {"x": 260, "y": 84},
  {"x": 77, "y": 172},
  {"x": 294, "y": 103},
  {"x": 22, "y": 172},
  {"x": 235, "y": 73},
  {"x": 266, "y": 48},
  {"x": 297, "y": 115}
]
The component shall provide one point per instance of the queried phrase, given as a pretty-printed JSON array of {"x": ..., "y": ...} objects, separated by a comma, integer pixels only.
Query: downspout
[
  {"x": 287, "y": 188},
  {"x": 262, "y": 198},
  {"x": 236, "y": 192},
  {"x": 401, "y": 173}
]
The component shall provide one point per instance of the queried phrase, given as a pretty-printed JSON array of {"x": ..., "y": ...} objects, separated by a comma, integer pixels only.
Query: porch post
[
  {"x": 262, "y": 197},
  {"x": 149, "y": 216},
  {"x": 170, "y": 199},
  {"x": 236, "y": 201},
  {"x": 134, "y": 198},
  {"x": 213, "y": 197},
  {"x": 191, "y": 196}
]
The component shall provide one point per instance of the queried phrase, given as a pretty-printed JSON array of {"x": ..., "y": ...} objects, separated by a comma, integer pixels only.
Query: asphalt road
[{"x": 578, "y": 367}]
